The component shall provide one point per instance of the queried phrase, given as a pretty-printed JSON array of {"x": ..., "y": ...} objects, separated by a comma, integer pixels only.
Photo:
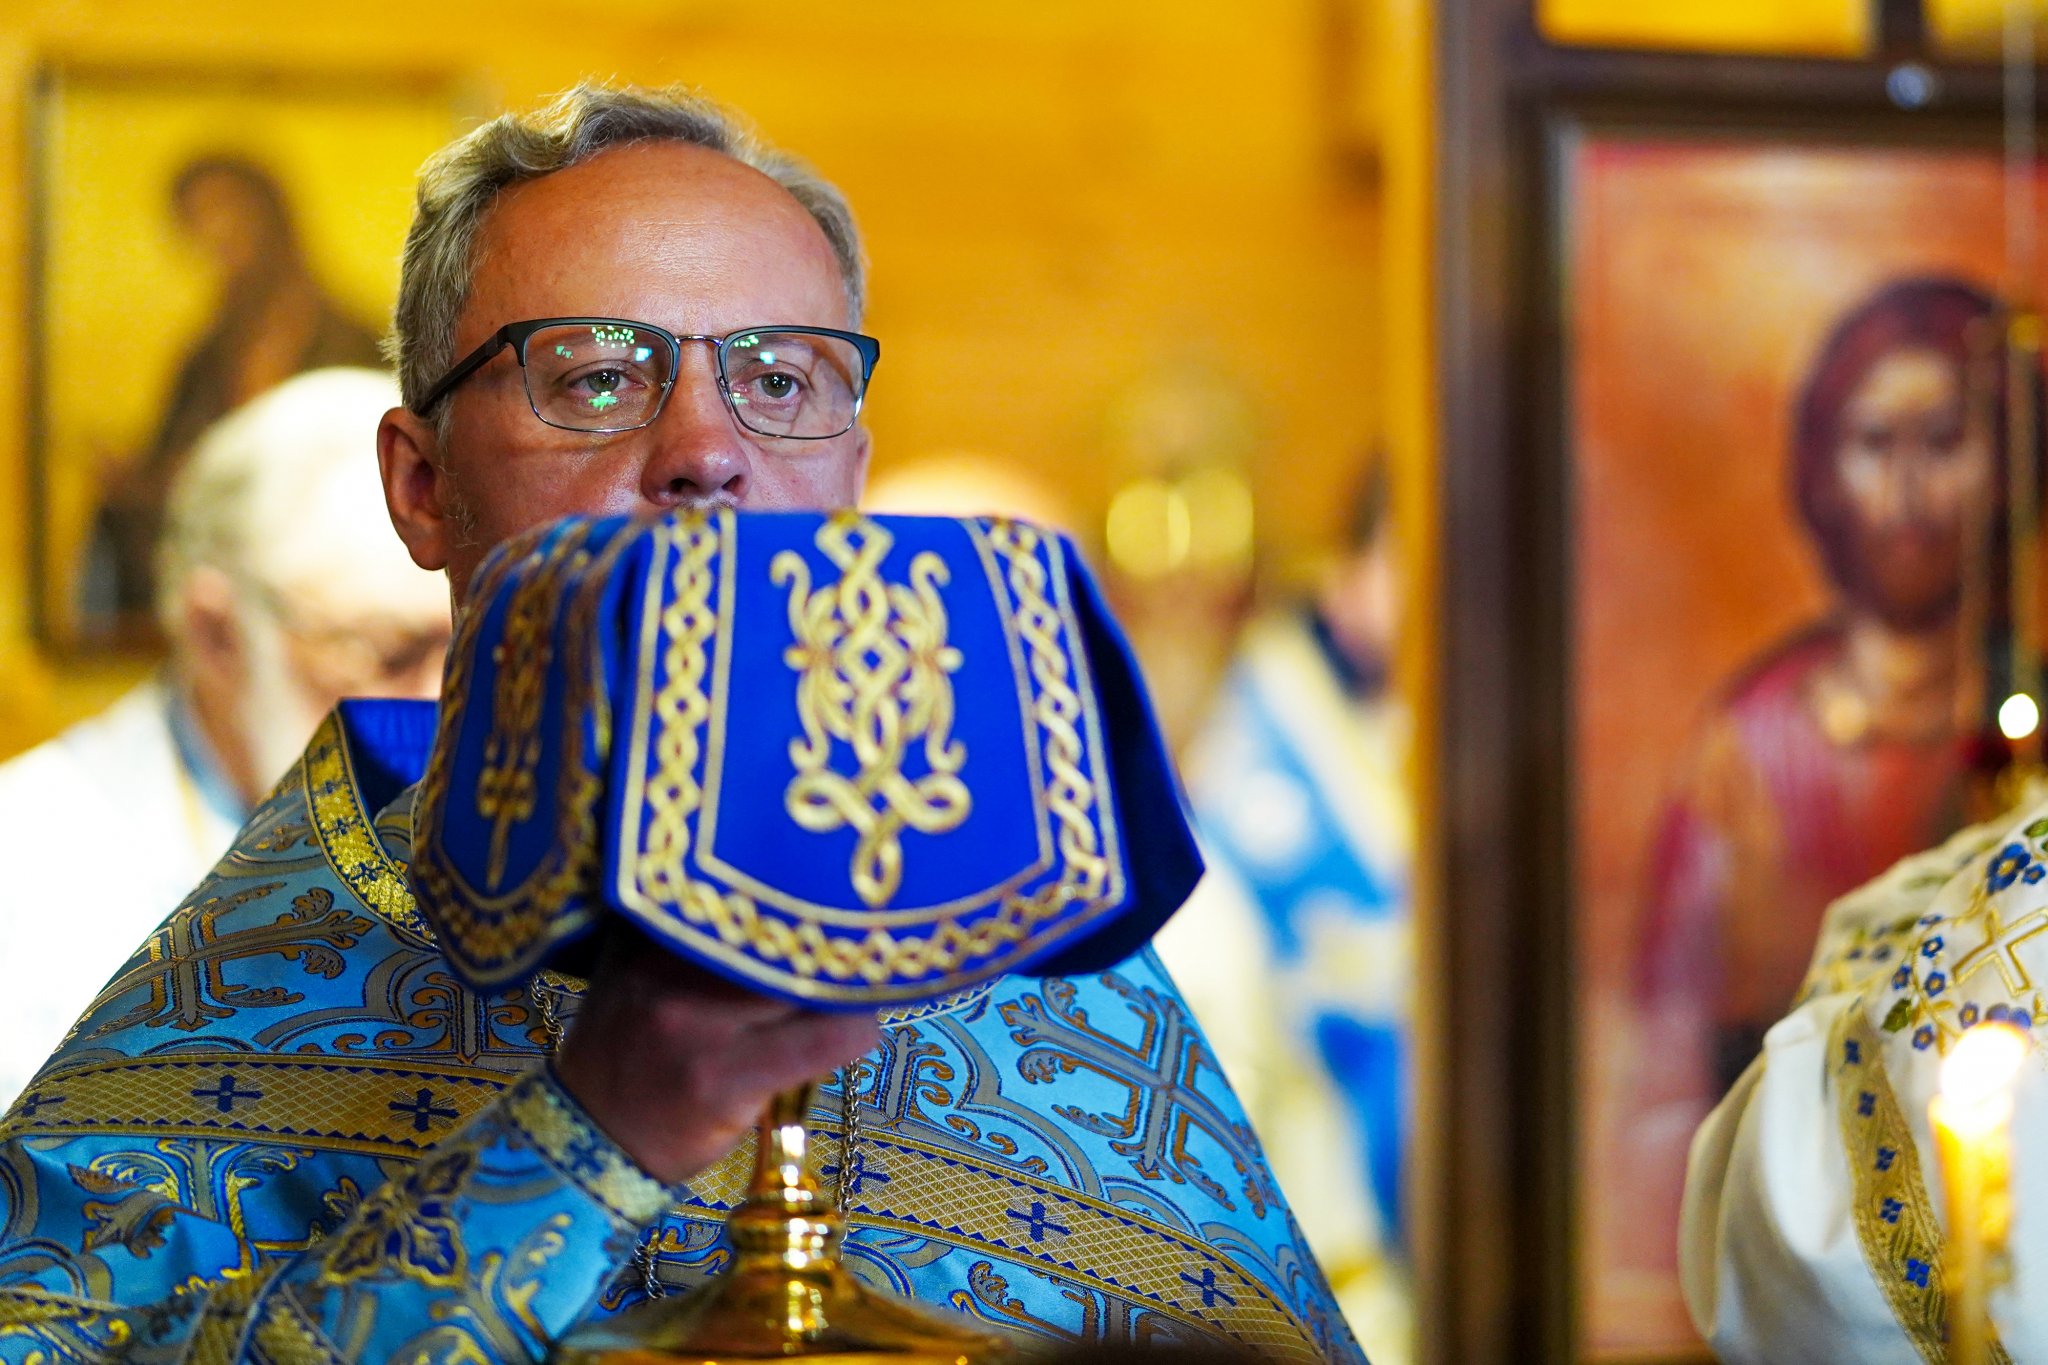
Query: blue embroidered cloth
[
  {"x": 288, "y": 1129},
  {"x": 849, "y": 760}
]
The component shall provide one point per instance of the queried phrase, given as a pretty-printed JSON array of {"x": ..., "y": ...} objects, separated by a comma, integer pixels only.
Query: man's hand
[{"x": 676, "y": 1063}]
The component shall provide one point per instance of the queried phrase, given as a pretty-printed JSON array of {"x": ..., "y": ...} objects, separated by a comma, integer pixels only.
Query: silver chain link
[
  {"x": 850, "y": 1125},
  {"x": 543, "y": 998},
  {"x": 644, "y": 1256}
]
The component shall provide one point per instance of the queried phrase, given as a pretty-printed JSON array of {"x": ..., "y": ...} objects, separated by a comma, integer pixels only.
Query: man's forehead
[
  {"x": 652, "y": 213},
  {"x": 668, "y": 234}
]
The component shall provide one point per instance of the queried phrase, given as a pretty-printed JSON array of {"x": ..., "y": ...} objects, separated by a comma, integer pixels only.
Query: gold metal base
[{"x": 787, "y": 1295}]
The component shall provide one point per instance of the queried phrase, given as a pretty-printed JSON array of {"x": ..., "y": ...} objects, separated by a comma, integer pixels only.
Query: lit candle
[{"x": 1972, "y": 1119}]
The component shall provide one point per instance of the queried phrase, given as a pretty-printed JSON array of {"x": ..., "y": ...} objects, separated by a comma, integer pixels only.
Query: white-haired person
[{"x": 282, "y": 590}]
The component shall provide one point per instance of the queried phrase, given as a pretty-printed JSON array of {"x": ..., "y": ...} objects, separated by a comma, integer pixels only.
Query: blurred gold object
[
  {"x": 787, "y": 1296},
  {"x": 1972, "y": 1122}
]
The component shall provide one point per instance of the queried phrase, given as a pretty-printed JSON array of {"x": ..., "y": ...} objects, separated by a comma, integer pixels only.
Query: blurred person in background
[
  {"x": 271, "y": 319},
  {"x": 1296, "y": 949},
  {"x": 282, "y": 590}
]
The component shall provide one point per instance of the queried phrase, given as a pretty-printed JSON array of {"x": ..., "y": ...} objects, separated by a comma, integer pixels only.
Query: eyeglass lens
[{"x": 613, "y": 377}]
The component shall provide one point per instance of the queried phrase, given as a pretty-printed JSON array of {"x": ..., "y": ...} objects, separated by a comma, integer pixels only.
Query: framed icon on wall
[
  {"x": 1786, "y": 448},
  {"x": 198, "y": 236}
]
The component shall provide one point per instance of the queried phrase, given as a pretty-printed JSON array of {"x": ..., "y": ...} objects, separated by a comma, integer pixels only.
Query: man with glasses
[
  {"x": 281, "y": 592},
  {"x": 619, "y": 305}
]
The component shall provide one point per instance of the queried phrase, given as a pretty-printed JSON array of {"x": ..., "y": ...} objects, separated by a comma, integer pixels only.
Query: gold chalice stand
[{"x": 787, "y": 1294}]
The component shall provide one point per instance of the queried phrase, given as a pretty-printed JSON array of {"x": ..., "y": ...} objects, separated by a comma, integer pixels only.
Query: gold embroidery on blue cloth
[
  {"x": 62, "y": 1327},
  {"x": 185, "y": 962},
  {"x": 498, "y": 1320},
  {"x": 409, "y": 1227},
  {"x": 224, "y": 1316},
  {"x": 686, "y": 623},
  {"x": 382, "y": 1107},
  {"x": 505, "y": 789},
  {"x": 873, "y": 667},
  {"x": 507, "y": 931},
  {"x": 334, "y": 802},
  {"x": 1059, "y": 711},
  {"x": 283, "y": 1336},
  {"x": 558, "y": 1131},
  {"x": 1160, "y": 1073},
  {"x": 889, "y": 956},
  {"x": 1047, "y": 1225},
  {"x": 1895, "y": 1222}
]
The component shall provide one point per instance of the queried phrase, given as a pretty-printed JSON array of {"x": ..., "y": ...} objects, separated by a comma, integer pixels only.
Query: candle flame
[
  {"x": 1982, "y": 1065},
  {"x": 2018, "y": 716}
]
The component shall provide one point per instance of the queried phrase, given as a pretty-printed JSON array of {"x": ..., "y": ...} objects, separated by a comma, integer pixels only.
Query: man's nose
[
  {"x": 697, "y": 452},
  {"x": 1912, "y": 477}
]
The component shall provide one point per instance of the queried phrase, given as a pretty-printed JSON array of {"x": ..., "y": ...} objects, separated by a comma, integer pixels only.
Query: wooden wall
[{"x": 1064, "y": 195}]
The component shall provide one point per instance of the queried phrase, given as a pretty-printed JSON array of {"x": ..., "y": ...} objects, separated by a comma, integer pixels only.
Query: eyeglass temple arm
[{"x": 470, "y": 364}]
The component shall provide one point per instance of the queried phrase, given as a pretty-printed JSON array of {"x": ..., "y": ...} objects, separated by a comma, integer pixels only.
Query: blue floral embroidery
[
  {"x": 1929, "y": 921},
  {"x": 2034, "y": 874},
  {"x": 1923, "y": 1037},
  {"x": 2022, "y": 1020},
  {"x": 1968, "y": 1016},
  {"x": 1902, "y": 978},
  {"x": 1931, "y": 948},
  {"x": 1890, "y": 1210},
  {"x": 1936, "y": 983},
  {"x": 1917, "y": 1271},
  {"x": 2005, "y": 869}
]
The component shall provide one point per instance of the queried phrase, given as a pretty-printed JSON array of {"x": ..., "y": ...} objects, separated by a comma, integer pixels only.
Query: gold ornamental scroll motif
[
  {"x": 875, "y": 675},
  {"x": 869, "y": 955},
  {"x": 506, "y": 789}
]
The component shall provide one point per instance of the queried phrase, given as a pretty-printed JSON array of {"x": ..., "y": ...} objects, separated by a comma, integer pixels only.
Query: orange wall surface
[{"x": 1061, "y": 199}]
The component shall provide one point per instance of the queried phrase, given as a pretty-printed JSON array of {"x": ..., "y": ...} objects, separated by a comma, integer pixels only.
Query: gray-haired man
[{"x": 650, "y": 220}]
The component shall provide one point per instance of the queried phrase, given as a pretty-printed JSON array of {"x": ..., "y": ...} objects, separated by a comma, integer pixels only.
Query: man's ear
[
  {"x": 416, "y": 491},
  {"x": 210, "y": 634}
]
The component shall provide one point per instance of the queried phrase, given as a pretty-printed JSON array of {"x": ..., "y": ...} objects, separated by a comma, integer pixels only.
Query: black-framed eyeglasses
[{"x": 613, "y": 374}]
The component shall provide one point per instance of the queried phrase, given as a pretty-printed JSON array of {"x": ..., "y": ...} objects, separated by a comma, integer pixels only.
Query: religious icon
[
  {"x": 1789, "y": 433},
  {"x": 202, "y": 238}
]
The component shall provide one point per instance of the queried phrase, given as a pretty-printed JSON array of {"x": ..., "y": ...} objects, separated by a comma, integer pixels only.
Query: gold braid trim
[
  {"x": 559, "y": 1130},
  {"x": 1057, "y": 709},
  {"x": 334, "y": 804},
  {"x": 504, "y": 932},
  {"x": 1895, "y": 1222}
]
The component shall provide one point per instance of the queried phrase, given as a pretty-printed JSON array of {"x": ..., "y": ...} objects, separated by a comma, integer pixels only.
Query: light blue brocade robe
[{"x": 285, "y": 1132}]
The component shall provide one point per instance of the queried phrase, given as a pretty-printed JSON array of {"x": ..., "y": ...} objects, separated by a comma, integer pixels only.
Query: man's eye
[{"x": 778, "y": 388}]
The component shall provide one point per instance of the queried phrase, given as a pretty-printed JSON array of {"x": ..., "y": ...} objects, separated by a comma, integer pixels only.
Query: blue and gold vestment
[{"x": 288, "y": 1130}]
